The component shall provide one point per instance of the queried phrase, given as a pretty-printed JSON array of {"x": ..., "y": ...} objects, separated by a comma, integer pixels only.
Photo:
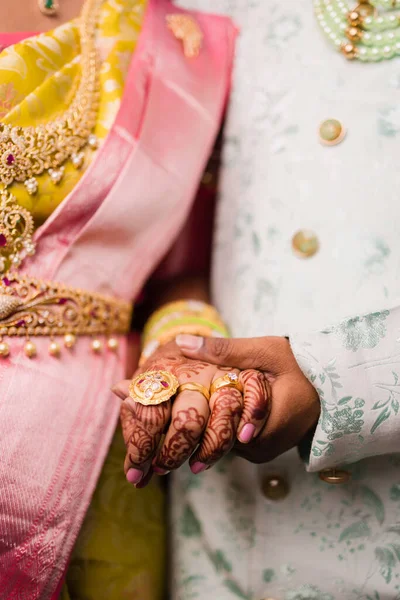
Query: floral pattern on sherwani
[
  {"x": 321, "y": 542},
  {"x": 355, "y": 367},
  {"x": 341, "y": 543}
]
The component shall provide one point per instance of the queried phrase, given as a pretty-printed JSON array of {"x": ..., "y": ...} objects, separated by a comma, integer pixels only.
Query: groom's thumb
[{"x": 251, "y": 353}]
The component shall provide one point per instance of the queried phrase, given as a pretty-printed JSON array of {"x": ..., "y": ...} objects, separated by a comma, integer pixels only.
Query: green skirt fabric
[{"x": 121, "y": 550}]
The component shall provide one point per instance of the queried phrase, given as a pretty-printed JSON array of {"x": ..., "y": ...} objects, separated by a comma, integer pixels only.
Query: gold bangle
[
  {"x": 181, "y": 307},
  {"x": 184, "y": 316},
  {"x": 231, "y": 379},
  {"x": 195, "y": 387},
  {"x": 180, "y": 315}
]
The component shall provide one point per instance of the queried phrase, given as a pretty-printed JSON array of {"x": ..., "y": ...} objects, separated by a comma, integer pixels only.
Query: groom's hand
[{"x": 295, "y": 404}]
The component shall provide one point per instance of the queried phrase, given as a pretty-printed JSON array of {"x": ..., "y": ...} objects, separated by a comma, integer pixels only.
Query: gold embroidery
[
  {"x": 32, "y": 307},
  {"x": 16, "y": 229},
  {"x": 29, "y": 151},
  {"x": 185, "y": 28}
]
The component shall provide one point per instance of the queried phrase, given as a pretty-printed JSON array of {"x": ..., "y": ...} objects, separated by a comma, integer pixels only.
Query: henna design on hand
[
  {"x": 220, "y": 433},
  {"x": 170, "y": 358},
  {"x": 189, "y": 425},
  {"x": 142, "y": 428},
  {"x": 178, "y": 365},
  {"x": 256, "y": 395},
  {"x": 144, "y": 425}
]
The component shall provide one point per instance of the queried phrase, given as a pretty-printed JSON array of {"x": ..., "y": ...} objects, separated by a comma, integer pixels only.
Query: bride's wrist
[{"x": 183, "y": 316}]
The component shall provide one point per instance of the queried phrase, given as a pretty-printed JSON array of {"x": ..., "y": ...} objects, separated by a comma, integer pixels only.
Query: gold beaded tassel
[
  {"x": 54, "y": 350},
  {"x": 112, "y": 344},
  {"x": 62, "y": 315},
  {"x": 69, "y": 340},
  {"x": 4, "y": 349},
  {"x": 97, "y": 346},
  {"x": 30, "y": 349}
]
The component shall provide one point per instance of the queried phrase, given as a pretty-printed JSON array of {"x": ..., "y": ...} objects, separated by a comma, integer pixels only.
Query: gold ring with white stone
[
  {"x": 231, "y": 379},
  {"x": 153, "y": 387}
]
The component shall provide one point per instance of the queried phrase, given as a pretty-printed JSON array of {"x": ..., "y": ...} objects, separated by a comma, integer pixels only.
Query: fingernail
[
  {"x": 198, "y": 467},
  {"x": 189, "y": 342},
  {"x": 145, "y": 481},
  {"x": 142, "y": 485},
  {"x": 160, "y": 471},
  {"x": 134, "y": 476},
  {"x": 247, "y": 433}
]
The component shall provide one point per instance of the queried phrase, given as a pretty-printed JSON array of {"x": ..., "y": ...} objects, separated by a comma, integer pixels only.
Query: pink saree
[{"x": 57, "y": 416}]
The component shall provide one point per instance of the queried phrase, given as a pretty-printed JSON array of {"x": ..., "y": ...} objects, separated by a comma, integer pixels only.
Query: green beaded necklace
[{"x": 361, "y": 33}]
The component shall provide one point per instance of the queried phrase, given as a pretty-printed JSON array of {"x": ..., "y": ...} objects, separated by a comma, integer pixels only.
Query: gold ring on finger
[
  {"x": 195, "y": 387},
  {"x": 231, "y": 379},
  {"x": 153, "y": 387}
]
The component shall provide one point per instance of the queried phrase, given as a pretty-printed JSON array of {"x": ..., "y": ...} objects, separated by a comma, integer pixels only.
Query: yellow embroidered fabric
[
  {"x": 38, "y": 77},
  {"x": 121, "y": 550}
]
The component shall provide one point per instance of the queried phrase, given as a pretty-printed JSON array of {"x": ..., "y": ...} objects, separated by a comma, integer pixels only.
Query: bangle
[
  {"x": 194, "y": 321},
  {"x": 185, "y": 316},
  {"x": 179, "y": 309}
]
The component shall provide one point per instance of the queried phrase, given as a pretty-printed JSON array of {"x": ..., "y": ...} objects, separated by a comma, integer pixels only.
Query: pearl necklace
[
  {"x": 29, "y": 151},
  {"x": 361, "y": 33}
]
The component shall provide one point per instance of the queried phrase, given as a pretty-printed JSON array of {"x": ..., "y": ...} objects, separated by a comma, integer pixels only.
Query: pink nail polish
[
  {"x": 134, "y": 476},
  {"x": 247, "y": 433},
  {"x": 198, "y": 467},
  {"x": 145, "y": 481},
  {"x": 160, "y": 471}
]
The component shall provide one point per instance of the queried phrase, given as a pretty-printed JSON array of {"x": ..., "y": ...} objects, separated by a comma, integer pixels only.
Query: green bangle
[
  {"x": 181, "y": 305},
  {"x": 186, "y": 321}
]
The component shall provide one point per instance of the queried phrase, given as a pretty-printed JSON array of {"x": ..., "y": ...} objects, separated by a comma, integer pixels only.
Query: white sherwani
[{"x": 340, "y": 308}]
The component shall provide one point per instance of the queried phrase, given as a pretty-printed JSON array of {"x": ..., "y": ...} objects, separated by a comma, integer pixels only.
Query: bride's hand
[{"x": 194, "y": 428}]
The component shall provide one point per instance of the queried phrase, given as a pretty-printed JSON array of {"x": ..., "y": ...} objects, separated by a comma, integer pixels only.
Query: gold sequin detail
[
  {"x": 29, "y": 151},
  {"x": 186, "y": 29},
  {"x": 33, "y": 307}
]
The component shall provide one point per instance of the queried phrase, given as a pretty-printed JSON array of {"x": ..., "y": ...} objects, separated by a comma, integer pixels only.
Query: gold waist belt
[{"x": 32, "y": 307}]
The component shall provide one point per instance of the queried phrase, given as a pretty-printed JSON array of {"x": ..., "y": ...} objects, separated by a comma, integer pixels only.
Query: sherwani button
[
  {"x": 305, "y": 243},
  {"x": 335, "y": 476},
  {"x": 274, "y": 487},
  {"x": 331, "y": 132}
]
